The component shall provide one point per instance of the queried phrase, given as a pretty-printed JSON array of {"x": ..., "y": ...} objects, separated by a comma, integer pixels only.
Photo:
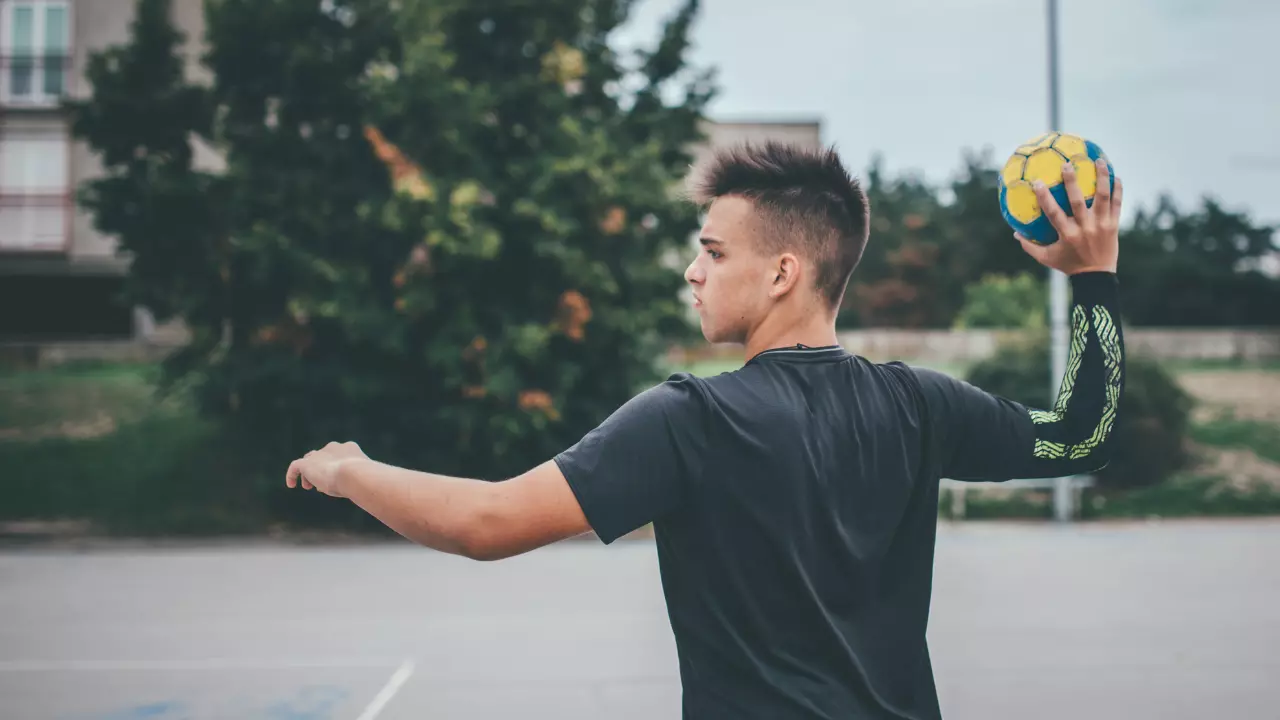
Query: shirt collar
[{"x": 802, "y": 353}]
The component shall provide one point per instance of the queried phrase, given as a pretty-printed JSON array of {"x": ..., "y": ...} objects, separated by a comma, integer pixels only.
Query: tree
[
  {"x": 926, "y": 248},
  {"x": 140, "y": 120},
  {"x": 1002, "y": 301},
  {"x": 1198, "y": 268},
  {"x": 440, "y": 226},
  {"x": 897, "y": 282}
]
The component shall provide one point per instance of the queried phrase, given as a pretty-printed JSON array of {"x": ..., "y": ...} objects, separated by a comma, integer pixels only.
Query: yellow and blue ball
[{"x": 1042, "y": 159}]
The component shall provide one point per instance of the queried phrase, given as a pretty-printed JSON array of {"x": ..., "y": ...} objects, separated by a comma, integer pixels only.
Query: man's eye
[{"x": 714, "y": 254}]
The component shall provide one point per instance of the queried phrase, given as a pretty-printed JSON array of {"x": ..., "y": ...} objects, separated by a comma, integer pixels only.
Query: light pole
[{"x": 1062, "y": 500}]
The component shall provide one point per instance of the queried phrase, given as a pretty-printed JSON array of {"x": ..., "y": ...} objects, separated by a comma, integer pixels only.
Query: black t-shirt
[{"x": 795, "y": 507}]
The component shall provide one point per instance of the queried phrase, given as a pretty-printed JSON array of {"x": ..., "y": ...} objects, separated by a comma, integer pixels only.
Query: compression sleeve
[{"x": 981, "y": 436}]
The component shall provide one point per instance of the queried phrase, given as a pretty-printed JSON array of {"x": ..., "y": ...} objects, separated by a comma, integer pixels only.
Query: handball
[{"x": 1042, "y": 159}]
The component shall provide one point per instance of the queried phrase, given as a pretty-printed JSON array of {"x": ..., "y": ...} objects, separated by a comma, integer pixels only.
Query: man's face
[{"x": 730, "y": 278}]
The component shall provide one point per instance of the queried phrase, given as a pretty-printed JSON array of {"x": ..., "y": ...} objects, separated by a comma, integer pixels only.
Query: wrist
[{"x": 346, "y": 475}]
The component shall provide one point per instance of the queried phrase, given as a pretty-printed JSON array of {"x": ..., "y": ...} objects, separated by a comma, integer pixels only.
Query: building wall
[
  {"x": 94, "y": 26},
  {"x": 100, "y": 24},
  {"x": 724, "y": 133}
]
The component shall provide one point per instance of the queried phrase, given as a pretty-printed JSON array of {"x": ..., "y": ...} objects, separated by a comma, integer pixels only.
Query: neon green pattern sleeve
[{"x": 985, "y": 437}]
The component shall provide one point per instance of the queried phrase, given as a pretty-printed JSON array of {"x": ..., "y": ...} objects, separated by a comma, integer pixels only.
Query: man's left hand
[{"x": 318, "y": 469}]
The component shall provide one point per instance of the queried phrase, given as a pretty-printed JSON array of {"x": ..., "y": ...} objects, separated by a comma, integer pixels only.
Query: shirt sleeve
[
  {"x": 637, "y": 465},
  {"x": 981, "y": 436}
]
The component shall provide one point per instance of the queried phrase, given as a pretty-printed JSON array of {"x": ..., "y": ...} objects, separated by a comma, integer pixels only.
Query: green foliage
[
  {"x": 1001, "y": 301},
  {"x": 924, "y": 252},
  {"x": 1228, "y": 431},
  {"x": 439, "y": 228},
  {"x": 1198, "y": 268},
  {"x": 164, "y": 474},
  {"x": 1149, "y": 442}
]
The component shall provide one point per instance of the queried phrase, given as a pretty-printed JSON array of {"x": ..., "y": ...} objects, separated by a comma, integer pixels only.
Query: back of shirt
[
  {"x": 806, "y": 544},
  {"x": 795, "y": 506}
]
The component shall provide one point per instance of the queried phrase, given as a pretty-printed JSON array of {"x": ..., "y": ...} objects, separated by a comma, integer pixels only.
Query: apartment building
[{"x": 58, "y": 275}]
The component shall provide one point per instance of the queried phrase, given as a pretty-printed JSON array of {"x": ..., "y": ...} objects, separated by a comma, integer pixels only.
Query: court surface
[{"x": 1166, "y": 620}]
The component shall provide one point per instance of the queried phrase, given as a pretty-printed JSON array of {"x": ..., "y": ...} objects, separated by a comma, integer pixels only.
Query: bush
[
  {"x": 1004, "y": 301},
  {"x": 1150, "y": 434}
]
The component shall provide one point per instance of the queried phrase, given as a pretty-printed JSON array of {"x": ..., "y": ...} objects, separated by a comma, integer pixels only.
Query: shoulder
[
  {"x": 680, "y": 396},
  {"x": 679, "y": 392},
  {"x": 926, "y": 380}
]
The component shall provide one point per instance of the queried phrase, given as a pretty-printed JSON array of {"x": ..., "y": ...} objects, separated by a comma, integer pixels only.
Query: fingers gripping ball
[{"x": 1042, "y": 159}]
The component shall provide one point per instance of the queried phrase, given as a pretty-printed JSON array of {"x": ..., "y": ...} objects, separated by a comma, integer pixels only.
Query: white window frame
[
  {"x": 37, "y": 97},
  {"x": 29, "y": 202}
]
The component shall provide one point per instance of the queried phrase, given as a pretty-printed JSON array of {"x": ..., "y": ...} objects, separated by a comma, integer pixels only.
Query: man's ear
[{"x": 787, "y": 275}]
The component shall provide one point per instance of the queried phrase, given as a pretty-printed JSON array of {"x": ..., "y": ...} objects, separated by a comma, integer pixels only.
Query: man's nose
[{"x": 693, "y": 274}]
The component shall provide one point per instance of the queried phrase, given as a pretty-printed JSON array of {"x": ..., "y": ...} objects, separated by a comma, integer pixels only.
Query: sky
[{"x": 1182, "y": 95}]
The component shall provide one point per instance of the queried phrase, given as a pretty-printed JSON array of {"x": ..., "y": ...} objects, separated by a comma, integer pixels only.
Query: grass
[
  {"x": 94, "y": 441},
  {"x": 164, "y": 474},
  {"x": 76, "y": 394},
  {"x": 1228, "y": 432},
  {"x": 1183, "y": 496},
  {"x": 1180, "y": 366}
]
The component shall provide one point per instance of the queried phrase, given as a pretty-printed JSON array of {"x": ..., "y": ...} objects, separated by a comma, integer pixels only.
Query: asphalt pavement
[{"x": 1161, "y": 620}]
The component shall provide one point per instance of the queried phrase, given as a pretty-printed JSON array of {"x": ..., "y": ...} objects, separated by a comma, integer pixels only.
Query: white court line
[
  {"x": 18, "y": 666},
  {"x": 389, "y": 691}
]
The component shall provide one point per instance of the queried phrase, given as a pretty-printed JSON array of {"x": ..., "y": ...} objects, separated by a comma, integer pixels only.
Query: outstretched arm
[
  {"x": 984, "y": 437},
  {"x": 631, "y": 470},
  {"x": 474, "y": 518}
]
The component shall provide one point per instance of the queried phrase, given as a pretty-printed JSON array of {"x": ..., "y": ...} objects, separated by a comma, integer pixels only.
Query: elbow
[
  {"x": 1100, "y": 460},
  {"x": 482, "y": 549},
  {"x": 479, "y": 534}
]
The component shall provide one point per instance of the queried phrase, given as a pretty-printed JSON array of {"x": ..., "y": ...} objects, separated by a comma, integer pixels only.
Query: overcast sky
[{"x": 1183, "y": 95}]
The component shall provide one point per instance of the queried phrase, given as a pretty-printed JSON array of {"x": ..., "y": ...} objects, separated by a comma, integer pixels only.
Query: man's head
[{"x": 784, "y": 229}]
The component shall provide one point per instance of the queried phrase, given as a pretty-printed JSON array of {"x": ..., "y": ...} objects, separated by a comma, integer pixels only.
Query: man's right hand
[{"x": 1089, "y": 238}]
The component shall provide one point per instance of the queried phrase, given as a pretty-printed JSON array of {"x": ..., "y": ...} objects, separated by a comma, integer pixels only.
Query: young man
[{"x": 795, "y": 500}]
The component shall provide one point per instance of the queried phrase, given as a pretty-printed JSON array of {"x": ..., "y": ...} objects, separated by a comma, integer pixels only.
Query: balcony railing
[
  {"x": 28, "y": 80},
  {"x": 34, "y": 222}
]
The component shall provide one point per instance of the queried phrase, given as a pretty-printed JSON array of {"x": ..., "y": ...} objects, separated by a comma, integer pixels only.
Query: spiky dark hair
[{"x": 806, "y": 201}]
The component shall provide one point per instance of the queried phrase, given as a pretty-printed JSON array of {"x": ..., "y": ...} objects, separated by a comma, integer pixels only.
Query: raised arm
[
  {"x": 980, "y": 436},
  {"x": 986, "y": 437}
]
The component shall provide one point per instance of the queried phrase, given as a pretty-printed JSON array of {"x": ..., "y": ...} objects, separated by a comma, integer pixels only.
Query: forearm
[
  {"x": 437, "y": 511},
  {"x": 1075, "y": 435}
]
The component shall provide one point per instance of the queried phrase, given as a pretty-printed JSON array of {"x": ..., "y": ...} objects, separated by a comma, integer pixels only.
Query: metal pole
[{"x": 1059, "y": 334}]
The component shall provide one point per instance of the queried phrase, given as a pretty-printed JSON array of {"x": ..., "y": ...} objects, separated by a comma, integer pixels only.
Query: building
[{"x": 58, "y": 275}]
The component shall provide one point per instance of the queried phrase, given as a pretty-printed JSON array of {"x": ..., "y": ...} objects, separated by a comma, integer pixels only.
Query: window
[
  {"x": 36, "y": 45},
  {"x": 34, "y": 203}
]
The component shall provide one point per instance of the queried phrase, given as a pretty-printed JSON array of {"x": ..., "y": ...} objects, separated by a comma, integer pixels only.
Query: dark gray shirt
[{"x": 795, "y": 507}]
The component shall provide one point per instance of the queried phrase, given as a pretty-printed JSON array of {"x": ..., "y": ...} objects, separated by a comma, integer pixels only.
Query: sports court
[{"x": 1133, "y": 620}]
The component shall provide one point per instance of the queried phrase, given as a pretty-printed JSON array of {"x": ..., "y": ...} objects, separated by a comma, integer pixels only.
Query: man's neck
[{"x": 814, "y": 331}]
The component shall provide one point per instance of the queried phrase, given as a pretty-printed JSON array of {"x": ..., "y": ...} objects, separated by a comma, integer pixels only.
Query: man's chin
[{"x": 714, "y": 335}]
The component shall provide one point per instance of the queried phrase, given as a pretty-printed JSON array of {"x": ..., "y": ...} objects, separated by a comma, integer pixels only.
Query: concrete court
[{"x": 1137, "y": 620}]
